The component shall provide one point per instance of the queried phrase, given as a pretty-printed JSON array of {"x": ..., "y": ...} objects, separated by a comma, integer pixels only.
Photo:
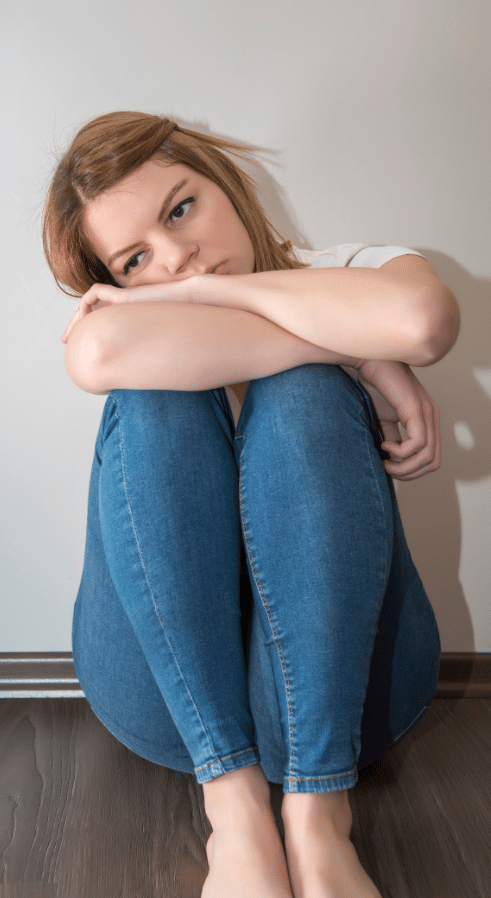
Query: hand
[
  {"x": 101, "y": 295},
  {"x": 98, "y": 296},
  {"x": 398, "y": 396}
]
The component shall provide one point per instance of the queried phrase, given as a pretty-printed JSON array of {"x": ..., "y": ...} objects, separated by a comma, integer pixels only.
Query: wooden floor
[{"x": 83, "y": 817}]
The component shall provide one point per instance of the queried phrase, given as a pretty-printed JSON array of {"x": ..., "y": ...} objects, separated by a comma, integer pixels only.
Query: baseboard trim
[
  {"x": 53, "y": 675},
  {"x": 38, "y": 675},
  {"x": 464, "y": 675}
]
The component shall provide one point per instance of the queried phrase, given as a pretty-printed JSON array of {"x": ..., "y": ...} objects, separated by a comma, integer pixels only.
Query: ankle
[
  {"x": 240, "y": 794},
  {"x": 304, "y": 812}
]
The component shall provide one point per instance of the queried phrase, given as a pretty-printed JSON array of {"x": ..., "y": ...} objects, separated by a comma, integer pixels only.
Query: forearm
[
  {"x": 179, "y": 346},
  {"x": 367, "y": 313}
]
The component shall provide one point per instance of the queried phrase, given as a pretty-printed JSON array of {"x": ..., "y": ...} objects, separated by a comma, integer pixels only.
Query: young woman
[{"x": 249, "y": 610}]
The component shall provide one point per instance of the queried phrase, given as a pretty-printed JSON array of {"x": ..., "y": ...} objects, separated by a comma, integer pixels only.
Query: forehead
[
  {"x": 141, "y": 184},
  {"x": 155, "y": 171},
  {"x": 130, "y": 203}
]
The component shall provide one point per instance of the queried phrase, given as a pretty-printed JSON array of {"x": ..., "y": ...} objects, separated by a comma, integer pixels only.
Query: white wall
[{"x": 379, "y": 116}]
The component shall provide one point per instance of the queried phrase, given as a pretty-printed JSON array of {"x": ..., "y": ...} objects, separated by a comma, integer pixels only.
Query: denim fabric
[{"x": 248, "y": 595}]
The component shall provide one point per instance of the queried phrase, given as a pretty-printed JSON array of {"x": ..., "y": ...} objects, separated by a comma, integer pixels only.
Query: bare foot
[
  {"x": 322, "y": 861},
  {"x": 247, "y": 864},
  {"x": 245, "y": 853}
]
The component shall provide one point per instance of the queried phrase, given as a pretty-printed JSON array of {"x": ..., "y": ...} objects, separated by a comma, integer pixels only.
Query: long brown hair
[{"x": 113, "y": 146}]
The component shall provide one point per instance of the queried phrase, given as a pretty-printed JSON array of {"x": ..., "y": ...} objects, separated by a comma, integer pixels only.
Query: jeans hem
[
  {"x": 226, "y": 765},
  {"x": 321, "y": 783}
]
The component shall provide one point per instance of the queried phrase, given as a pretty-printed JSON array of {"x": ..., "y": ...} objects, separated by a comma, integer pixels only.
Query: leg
[
  {"x": 301, "y": 439},
  {"x": 110, "y": 663},
  {"x": 318, "y": 528},
  {"x": 403, "y": 670},
  {"x": 174, "y": 564},
  {"x": 326, "y": 554}
]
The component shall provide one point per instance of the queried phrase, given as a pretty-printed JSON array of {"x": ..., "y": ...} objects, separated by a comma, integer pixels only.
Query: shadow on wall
[
  {"x": 430, "y": 506},
  {"x": 272, "y": 196}
]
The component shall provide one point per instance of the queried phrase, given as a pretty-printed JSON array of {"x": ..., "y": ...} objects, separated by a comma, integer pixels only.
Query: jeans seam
[
  {"x": 387, "y": 525},
  {"x": 237, "y": 754},
  {"x": 147, "y": 578},
  {"x": 332, "y": 776},
  {"x": 269, "y": 614}
]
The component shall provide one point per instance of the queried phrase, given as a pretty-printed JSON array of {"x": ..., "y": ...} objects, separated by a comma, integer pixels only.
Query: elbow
[
  {"x": 85, "y": 359},
  {"x": 437, "y": 318}
]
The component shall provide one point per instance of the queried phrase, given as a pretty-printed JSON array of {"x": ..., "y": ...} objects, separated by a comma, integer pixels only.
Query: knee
[
  {"x": 304, "y": 377},
  {"x": 184, "y": 413},
  {"x": 157, "y": 403},
  {"x": 311, "y": 390}
]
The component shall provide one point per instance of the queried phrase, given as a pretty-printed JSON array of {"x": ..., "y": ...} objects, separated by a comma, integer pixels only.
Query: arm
[
  {"x": 400, "y": 311},
  {"x": 180, "y": 347},
  {"x": 174, "y": 346},
  {"x": 153, "y": 345},
  {"x": 398, "y": 396}
]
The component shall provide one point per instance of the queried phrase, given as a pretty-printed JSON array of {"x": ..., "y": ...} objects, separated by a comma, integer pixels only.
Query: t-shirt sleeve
[
  {"x": 376, "y": 256},
  {"x": 356, "y": 255}
]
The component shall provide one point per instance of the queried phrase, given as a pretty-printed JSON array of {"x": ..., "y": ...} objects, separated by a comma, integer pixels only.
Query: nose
[{"x": 176, "y": 254}]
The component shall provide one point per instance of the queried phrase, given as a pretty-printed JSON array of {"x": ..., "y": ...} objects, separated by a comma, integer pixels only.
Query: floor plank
[{"x": 83, "y": 817}]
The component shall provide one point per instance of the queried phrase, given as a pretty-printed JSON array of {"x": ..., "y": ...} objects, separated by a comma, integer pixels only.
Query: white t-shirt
[
  {"x": 347, "y": 255},
  {"x": 352, "y": 255}
]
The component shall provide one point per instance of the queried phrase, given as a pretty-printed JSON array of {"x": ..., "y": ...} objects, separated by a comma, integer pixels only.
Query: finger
[
  {"x": 416, "y": 439},
  {"x": 411, "y": 468},
  {"x": 71, "y": 324},
  {"x": 424, "y": 462},
  {"x": 429, "y": 456},
  {"x": 397, "y": 448},
  {"x": 98, "y": 293},
  {"x": 85, "y": 305},
  {"x": 412, "y": 449},
  {"x": 418, "y": 464},
  {"x": 420, "y": 472},
  {"x": 390, "y": 432},
  {"x": 67, "y": 333},
  {"x": 423, "y": 445}
]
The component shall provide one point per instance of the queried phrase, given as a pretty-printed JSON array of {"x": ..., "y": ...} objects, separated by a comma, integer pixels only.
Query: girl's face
[{"x": 166, "y": 223}]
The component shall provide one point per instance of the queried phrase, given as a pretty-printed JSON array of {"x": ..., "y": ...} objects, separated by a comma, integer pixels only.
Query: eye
[
  {"x": 181, "y": 209},
  {"x": 132, "y": 263}
]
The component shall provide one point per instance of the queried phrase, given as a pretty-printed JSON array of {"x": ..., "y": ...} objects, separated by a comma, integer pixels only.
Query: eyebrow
[{"x": 168, "y": 200}]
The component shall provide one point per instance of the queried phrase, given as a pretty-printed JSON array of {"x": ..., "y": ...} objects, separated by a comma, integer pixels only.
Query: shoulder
[{"x": 353, "y": 255}]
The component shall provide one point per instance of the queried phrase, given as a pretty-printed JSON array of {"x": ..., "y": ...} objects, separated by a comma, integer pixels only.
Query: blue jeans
[{"x": 249, "y": 597}]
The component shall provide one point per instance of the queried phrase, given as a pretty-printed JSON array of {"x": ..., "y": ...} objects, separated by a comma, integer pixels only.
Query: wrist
[
  {"x": 358, "y": 364},
  {"x": 209, "y": 290},
  {"x": 370, "y": 368},
  {"x": 367, "y": 368}
]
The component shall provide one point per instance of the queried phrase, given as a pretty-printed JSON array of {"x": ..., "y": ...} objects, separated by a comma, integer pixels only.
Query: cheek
[
  {"x": 231, "y": 232},
  {"x": 242, "y": 236},
  {"x": 249, "y": 251}
]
